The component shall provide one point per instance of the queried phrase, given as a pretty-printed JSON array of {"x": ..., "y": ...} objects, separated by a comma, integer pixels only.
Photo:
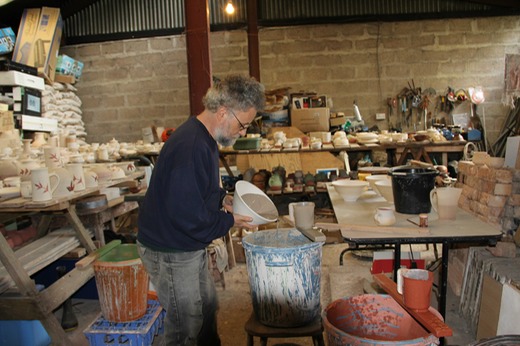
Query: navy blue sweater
[{"x": 182, "y": 207}]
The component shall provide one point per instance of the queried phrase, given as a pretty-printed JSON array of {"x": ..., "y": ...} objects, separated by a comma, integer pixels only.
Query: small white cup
[
  {"x": 26, "y": 189},
  {"x": 384, "y": 216},
  {"x": 303, "y": 214},
  {"x": 326, "y": 137}
]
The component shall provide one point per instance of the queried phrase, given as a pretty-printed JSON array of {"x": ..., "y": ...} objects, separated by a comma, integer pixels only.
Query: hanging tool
[
  {"x": 390, "y": 112},
  {"x": 402, "y": 101}
]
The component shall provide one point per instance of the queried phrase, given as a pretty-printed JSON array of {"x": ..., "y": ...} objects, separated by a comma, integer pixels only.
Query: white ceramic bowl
[
  {"x": 350, "y": 190},
  {"x": 385, "y": 189},
  {"x": 249, "y": 200},
  {"x": 372, "y": 179}
]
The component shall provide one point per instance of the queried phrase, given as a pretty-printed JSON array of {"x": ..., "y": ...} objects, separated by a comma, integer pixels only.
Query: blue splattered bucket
[{"x": 284, "y": 275}]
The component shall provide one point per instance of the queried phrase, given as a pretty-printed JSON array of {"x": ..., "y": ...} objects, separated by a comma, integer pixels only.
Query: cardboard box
[
  {"x": 311, "y": 119},
  {"x": 7, "y": 40},
  {"x": 69, "y": 66},
  {"x": 338, "y": 121},
  {"x": 489, "y": 307},
  {"x": 512, "y": 158},
  {"x": 6, "y": 121},
  {"x": 16, "y": 78},
  {"x": 38, "y": 40},
  {"x": 64, "y": 64}
]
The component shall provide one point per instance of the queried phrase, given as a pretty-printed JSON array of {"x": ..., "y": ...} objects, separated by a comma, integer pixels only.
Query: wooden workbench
[{"x": 465, "y": 229}]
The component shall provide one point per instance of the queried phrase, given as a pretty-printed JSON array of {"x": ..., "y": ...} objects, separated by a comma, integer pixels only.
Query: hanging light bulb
[{"x": 230, "y": 9}]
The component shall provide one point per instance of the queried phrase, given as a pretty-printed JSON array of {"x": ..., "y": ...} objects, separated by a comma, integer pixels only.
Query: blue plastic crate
[
  {"x": 140, "y": 332},
  {"x": 20, "y": 333}
]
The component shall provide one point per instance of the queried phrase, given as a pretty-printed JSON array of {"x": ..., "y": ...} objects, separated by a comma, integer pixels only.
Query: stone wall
[{"x": 127, "y": 85}]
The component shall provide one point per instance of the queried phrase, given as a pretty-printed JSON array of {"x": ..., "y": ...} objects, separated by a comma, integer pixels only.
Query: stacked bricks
[{"x": 492, "y": 194}]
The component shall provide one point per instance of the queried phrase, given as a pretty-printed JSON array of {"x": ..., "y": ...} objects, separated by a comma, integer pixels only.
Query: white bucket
[
  {"x": 284, "y": 270},
  {"x": 260, "y": 207}
]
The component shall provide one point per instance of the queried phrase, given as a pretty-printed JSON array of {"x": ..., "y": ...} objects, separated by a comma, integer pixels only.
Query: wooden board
[
  {"x": 41, "y": 252},
  {"x": 290, "y": 161},
  {"x": 427, "y": 319},
  {"x": 85, "y": 262},
  {"x": 311, "y": 161}
]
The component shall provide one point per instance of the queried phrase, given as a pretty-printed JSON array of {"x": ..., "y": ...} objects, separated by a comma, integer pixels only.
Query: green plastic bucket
[{"x": 284, "y": 270}]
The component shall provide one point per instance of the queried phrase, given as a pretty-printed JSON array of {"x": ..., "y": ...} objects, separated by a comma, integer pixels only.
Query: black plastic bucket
[{"x": 411, "y": 186}]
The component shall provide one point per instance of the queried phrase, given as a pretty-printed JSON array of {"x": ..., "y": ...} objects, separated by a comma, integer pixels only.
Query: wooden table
[
  {"x": 466, "y": 228},
  {"x": 25, "y": 302}
]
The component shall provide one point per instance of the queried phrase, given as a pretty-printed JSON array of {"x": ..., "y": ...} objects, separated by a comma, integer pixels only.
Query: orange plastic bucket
[{"x": 122, "y": 284}]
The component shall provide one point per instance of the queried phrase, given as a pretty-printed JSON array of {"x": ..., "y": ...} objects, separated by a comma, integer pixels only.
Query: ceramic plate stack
[{"x": 367, "y": 137}]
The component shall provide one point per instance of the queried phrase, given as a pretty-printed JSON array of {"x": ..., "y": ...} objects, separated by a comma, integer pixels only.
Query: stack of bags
[{"x": 60, "y": 102}]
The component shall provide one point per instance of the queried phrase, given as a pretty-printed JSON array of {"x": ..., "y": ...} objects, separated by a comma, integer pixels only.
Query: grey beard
[{"x": 224, "y": 140}]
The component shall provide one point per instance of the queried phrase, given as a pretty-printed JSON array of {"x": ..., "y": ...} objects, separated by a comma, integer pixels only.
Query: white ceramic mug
[
  {"x": 102, "y": 153},
  {"x": 78, "y": 176},
  {"x": 445, "y": 201},
  {"x": 43, "y": 184},
  {"x": 326, "y": 137},
  {"x": 384, "y": 216},
  {"x": 303, "y": 214},
  {"x": 91, "y": 178}
]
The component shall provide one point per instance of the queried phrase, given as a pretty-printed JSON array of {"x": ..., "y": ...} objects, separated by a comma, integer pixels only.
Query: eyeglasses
[{"x": 242, "y": 126}]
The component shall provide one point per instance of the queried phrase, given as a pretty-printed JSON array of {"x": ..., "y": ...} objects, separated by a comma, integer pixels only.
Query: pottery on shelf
[
  {"x": 39, "y": 140},
  {"x": 66, "y": 183},
  {"x": 91, "y": 178},
  {"x": 275, "y": 182},
  {"x": 25, "y": 166}
]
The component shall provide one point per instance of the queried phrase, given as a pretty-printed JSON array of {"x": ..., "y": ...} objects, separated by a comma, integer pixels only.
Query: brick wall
[
  {"x": 127, "y": 85},
  {"x": 491, "y": 194}
]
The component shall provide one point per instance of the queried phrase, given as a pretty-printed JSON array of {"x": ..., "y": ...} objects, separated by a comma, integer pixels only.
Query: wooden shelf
[{"x": 40, "y": 253}]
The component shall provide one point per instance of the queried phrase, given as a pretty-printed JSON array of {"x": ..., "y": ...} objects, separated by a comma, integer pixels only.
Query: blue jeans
[{"x": 187, "y": 292}]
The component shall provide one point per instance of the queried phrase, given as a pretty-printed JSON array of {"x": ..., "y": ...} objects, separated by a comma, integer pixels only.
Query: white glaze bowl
[
  {"x": 385, "y": 189},
  {"x": 373, "y": 178},
  {"x": 249, "y": 200},
  {"x": 350, "y": 190}
]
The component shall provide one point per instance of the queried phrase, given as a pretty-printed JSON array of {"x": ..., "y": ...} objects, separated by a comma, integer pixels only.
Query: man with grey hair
[{"x": 185, "y": 209}]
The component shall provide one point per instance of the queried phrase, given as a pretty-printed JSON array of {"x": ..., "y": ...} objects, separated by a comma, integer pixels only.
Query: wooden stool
[{"x": 254, "y": 328}]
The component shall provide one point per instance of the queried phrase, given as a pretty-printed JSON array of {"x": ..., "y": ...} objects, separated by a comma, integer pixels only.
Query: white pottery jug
[{"x": 66, "y": 183}]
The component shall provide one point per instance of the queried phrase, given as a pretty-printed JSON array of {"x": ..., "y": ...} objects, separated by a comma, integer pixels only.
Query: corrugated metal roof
[{"x": 115, "y": 19}]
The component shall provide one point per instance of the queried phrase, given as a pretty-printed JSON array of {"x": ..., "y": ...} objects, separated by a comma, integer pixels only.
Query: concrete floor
[{"x": 235, "y": 302}]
